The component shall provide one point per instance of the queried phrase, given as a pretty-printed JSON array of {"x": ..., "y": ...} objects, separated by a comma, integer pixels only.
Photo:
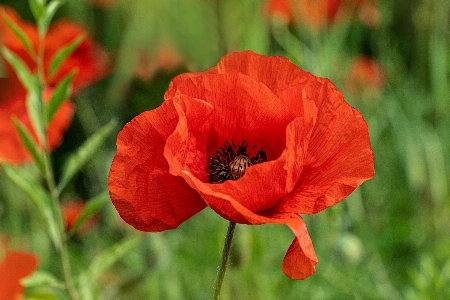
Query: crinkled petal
[
  {"x": 339, "y": 158},
  {"x": 264, "y": 184},
  {"x": 143, "y": 191},
  {"x": 300, "y": 259},
  {"x": 244, "y": 109},
  {"x": 276, "y": 72}
]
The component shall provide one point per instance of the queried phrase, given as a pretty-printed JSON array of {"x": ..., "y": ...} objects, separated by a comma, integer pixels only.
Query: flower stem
[
  {"x": 51, "y": 184},
  {"x": 224, "y": 263}
]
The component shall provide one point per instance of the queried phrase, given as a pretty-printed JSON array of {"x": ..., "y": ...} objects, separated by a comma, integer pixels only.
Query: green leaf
[
  {"x": 92, "y": 206},
  {"x": 62, "y": 54},
  {"x": 84, "y": 153},
  {"x": 33, "y": 86},
  {"x": 107, "y": 258},
  {"x": 37, "y": 8},
  {"x": 30, "y": 144},
  {"x": 41, "y": 278},
  {"x": 35, "y": 108},
  {"x": 20, "y": 34},
  {"x": 62, "y": 92},
  {"x": 103, "y": 262},
  {"x": 19, "y": 66},
  {"x": 48, "y": 15},
  {"x": 39, "y": 196}
]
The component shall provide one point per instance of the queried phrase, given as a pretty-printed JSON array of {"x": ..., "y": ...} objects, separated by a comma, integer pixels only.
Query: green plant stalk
[
  {"x": 224, "y": 262},
  {"x": 50, "y": 179}
]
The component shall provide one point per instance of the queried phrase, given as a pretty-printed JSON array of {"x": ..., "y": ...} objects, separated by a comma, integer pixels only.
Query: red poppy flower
[
  {"x": 255, "y": 138},
  {"x": 15, "y": 266},
  {"x": 365, "y": 75},
  {"x": 89, "y": 58},
  {"x": 71, "y": 211}
]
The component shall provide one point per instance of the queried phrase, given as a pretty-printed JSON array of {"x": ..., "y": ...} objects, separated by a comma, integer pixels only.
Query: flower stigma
[{"x": 230, "y": 162}]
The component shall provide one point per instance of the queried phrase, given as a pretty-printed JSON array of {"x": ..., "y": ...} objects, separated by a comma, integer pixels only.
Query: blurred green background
[{"x": 390, "y": 239}]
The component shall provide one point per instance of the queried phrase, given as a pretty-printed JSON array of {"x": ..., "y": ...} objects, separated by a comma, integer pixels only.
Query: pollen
[{"x": 231, "y": 161}]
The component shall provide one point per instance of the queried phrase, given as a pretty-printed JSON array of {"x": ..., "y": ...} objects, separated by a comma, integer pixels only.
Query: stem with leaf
[{"x": 50, "y": 178}]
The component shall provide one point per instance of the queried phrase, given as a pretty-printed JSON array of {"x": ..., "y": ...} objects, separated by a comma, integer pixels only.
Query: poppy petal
[
  {"x": 244, "y": 109},
  {"x": 264, "y": 184},
  {"x": 15, "y": 266},
  {"x": 339, "y": 159},
  {"x": 300, "y": 259},
  {"x": 143, "y": 191},
  {"x": 276, "y": 72}
]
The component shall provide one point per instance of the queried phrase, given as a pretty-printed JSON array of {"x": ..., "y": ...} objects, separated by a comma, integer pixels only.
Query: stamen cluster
[{"x": 230, "y": 161}]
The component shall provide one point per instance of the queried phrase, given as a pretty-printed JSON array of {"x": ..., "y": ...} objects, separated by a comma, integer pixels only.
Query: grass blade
[{"x": 30, "y": 144}]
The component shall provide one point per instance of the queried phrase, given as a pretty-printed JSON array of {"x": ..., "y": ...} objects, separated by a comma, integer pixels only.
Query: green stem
[
  {"x": 64, "y": 253},
  {"x": 224, "y": 263},
  {"x": 50, "y": 179}
]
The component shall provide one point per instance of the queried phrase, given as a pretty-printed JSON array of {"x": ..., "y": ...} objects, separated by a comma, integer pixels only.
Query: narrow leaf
[
  {"x": 41, "y": 278},
  {"x": 62, "y": 54},
  {"x": 39, "y": 196},
  {"x": 84, "y": 153},
  {"x": 62, "y": 92},
  {"x": 19, "y": 66},
  {"x": 35, "y": 108},
  {"x": 92, "y": 206},
  {"x": 30, "y": 144},
  {"x": 106, "y": 259},
  {"x": 49, "y": 13},
  {"x": 37, "y": 8},
  {"x": 20, "y": 34}
]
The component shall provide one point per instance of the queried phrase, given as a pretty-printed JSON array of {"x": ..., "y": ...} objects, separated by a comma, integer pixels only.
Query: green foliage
[
  {"x": 30, "y": 144},
  {"x": 63, "y": 53},
  {"x": 40, "y": 198},
  {"x": 20, "y": 68},
  {"x": 20, "y": 34},
  {"x": 61, "y": 93},
  {"x": 92, "y": 207},
  {"x": 77, "y": 159}
]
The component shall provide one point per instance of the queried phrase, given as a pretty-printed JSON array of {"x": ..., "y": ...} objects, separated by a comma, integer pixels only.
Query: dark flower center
[{"x": 230, "y": 162}]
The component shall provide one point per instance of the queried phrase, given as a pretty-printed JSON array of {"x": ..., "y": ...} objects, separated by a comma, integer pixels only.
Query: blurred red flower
[
  {"x": 15, "y": 266},
  {"x": 317, "y": 14},
  {"x": 88, "y": 58},
  {"x": 71, "y": 211},
  {"x": 365, "y": 76},
  {"x": 164, "y": 58},
  {"x": 301, "y": 146}
]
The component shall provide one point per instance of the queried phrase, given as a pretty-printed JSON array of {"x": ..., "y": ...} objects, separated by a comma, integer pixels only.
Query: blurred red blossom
[
  {"x": 71, "y": 211},
  {"x": 318, "y": 14},
  {"x": 15, "y": 266},
  {"x": 89, "y": 59},
  {"x": 365, "y": 76},
  {"x": 287, "y": 139},
  {"x": 164, "y": 58}
]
